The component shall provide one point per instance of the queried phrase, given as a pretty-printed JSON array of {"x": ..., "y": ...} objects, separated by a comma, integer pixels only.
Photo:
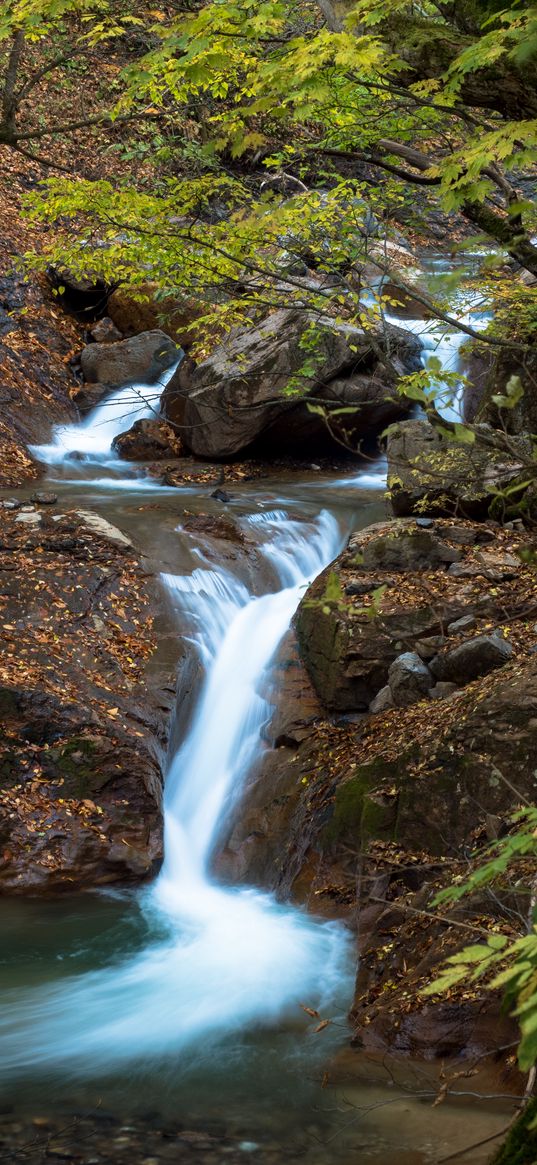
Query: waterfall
[{"x": 230, "y": 959}]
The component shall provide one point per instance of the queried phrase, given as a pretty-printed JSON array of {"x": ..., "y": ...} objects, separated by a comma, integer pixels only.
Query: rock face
[
  {"x": 141, "y": 359},
  {"x": 237, "y": 395},
  {"x": 148, "y": 440},
  {"x": 141, "y": 312},
  {"x": 82, "y": 731},
  {"x": 428, "y": 472}
]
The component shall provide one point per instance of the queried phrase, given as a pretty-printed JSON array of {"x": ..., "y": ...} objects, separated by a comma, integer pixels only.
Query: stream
[{"x": 183, "y": 1003}]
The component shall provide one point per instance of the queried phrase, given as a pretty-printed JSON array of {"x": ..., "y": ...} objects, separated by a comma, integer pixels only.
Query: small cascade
[{"x": 91, "y": 439}]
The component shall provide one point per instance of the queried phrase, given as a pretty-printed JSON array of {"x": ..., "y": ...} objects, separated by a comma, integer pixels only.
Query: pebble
[{"x": 221, "y": 495}]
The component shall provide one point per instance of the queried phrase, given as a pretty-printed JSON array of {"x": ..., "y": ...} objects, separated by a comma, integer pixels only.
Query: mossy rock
[
  {"x": 77, "y": 766},
  {"x": 362, "y": 811}
]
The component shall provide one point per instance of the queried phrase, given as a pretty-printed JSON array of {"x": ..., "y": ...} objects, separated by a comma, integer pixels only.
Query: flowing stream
[{"x": 204, "y": 967}]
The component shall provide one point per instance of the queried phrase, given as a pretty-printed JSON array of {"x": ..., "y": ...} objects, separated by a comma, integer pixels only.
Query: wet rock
[
  {"x": 221, "y": 495},
  {"x": 409, "y": 679},
  {"x": 382, "y": 701},
  {"x": 426, "y": 469},
  {"x": 44, "y": 498},
  {"x": 11, "y": 504},
  {"x": 474, "y": 658},
  {"x": 141, "y": 359},
  {"x": 88, "y": 396},
  {"x": 148, "y": 441},
  {"x": 236, "y": 395}
]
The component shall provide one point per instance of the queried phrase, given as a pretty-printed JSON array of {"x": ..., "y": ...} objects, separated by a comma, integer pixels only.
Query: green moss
[
  {"x": 75, "y": 764},
  {"x": 358, "y": 814},
  {"x": 520, "y": 1146}
]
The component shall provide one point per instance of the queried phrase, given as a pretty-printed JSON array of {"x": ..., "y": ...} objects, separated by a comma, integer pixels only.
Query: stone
[
  {"x": 44, "y": 498},
  {"x": 409, "y": 679},
  {"x": 429, "y": 647},
  {"x": 476, "y": 657},
  {"x": 425, "y": 523},
  {"x": 426, "y": 469},
  {"x": 408, "y": 550},
  {"x": 29, "y": 517},
  {"x": 237, "y": 395},
  {"x": 221, "y": 495},
  {"x": 148, "y": 440},
  {"x": 363, "y": 586},
  {"x": 463, "y": 535},
  {"x": 105, "y": 331},
  {"x": 382, "y": 701},
  {"x": 88, "y": 396},
  {"x": 141, "y": 359},
  {"x": 11, "y": 504},
  {"x": 443, "y": 690},
  {"x": 138, "y": 311},
  {"x": 466, "y": 623}
]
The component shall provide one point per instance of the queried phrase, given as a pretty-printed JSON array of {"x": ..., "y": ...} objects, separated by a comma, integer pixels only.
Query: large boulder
[
  {"x": 242, "y": 390},
  {"x": 148, "y": 441},
  {"x": 428, "y": 472},
  {"x": 135, "y": 311},
  {"x": 141, "y": 359}
]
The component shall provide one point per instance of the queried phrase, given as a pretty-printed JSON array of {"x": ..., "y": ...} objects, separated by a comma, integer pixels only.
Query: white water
[
  {"x": 93, "y": 436},
  {"x": 231, "y": 959}
]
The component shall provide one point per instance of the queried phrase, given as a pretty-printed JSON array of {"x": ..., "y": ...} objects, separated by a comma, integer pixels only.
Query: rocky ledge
[{"x": 82, "y": 733}]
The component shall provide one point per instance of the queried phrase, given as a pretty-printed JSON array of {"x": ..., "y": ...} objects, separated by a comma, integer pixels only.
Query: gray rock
[
  {"x": 461, "y": 625},
  {"x": 141, "y": 359},
  {"x": 464, "y": 535},
  {"x": 409, "y": 679},
  {"x": 382, "y": 701},
  {"x": 474, "y": 658},
  {"x": 237, "y": 394},
  {"x": 426, "y": 469},
  {"x": 443, "y": 690},
  {"x": 363, "y": 586},
  {"x": 429, "y": 647},
  {"x": 408, "y": 550}
]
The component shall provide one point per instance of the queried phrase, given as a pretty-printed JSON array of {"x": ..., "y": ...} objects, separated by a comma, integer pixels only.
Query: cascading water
[
  {"x": 93, "y": 437},
  {"x": 230, "y": 958}
]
